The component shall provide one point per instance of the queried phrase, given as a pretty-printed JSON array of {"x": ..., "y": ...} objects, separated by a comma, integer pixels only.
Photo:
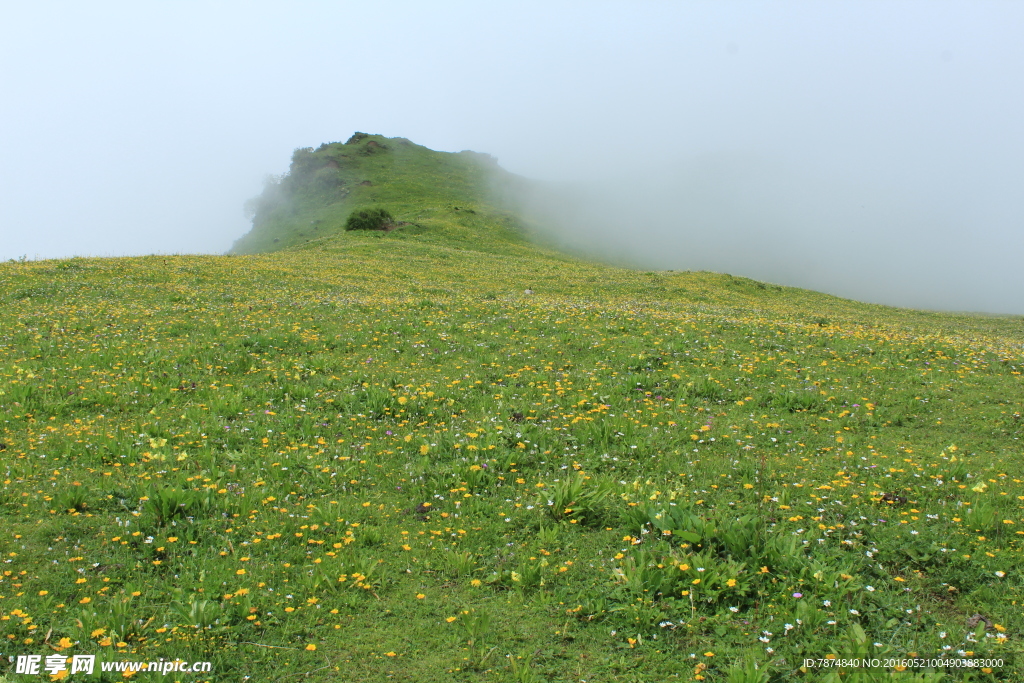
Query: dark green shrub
[{"x": 369, "y": 219}]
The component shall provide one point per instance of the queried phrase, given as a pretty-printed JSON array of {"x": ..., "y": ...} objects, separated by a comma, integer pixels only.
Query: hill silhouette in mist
[{"x": 435, "y": 195}]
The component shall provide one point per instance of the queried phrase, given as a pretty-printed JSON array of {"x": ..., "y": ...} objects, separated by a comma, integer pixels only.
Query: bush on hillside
[{"x": 369, "y": 219}]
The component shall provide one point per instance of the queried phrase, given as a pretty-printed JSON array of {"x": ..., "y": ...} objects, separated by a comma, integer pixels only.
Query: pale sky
[{"x": 873, "y": 150}]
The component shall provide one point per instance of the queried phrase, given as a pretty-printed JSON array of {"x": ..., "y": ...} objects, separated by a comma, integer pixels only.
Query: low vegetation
[{"x": 370, "y": 219}]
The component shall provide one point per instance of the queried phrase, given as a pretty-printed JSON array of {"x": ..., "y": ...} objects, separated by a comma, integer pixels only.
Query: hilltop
[
  {"x": 372, "y": 455},
  {"x": 435, "y": 196}
]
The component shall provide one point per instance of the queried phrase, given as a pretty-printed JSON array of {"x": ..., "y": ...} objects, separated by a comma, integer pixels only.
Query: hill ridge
[{"x": 446, "y": 194}]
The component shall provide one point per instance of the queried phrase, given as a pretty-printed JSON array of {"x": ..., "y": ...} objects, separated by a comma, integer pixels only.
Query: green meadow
[{"x": 372, "y": 455}]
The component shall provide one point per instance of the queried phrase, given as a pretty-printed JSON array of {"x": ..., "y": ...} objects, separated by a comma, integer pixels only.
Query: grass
[{"x": 373, "y": 457}]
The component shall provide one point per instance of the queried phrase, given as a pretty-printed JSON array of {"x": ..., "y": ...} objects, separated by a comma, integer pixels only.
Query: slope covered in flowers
[
  {"x": 372, "y": 450},
  {"x": 375, "y": 458}
]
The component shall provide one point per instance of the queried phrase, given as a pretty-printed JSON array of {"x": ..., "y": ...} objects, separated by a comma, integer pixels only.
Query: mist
[
  {"x": 873, "y": 151},
  {"x": 928, "y": 242}
]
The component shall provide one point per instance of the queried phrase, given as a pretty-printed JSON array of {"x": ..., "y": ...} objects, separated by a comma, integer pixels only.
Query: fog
[
  {"x": 932, "y": 242},
  {"x": 870, "y": 150}
]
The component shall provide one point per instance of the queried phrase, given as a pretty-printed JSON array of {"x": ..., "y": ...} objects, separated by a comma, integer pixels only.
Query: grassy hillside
[
  {"x": 371, "y": 456},
  {"x": 435, "y": 196}
]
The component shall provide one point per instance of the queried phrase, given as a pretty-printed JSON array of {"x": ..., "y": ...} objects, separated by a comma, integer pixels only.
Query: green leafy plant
[
  {"x": 579, "y": 498},
  {"x": 749, "y": 671}
]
